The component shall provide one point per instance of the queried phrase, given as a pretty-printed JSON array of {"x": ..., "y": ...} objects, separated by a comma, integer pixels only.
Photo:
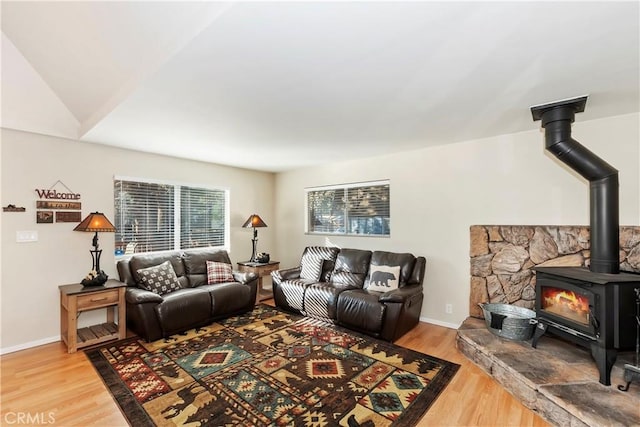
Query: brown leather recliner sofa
[
  {"x": 194, "y": 303},
  {"x": 355, "y": 288}
]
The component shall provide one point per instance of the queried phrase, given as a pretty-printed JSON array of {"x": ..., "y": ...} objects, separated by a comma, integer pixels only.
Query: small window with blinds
[
  {"x": 155, "y": 216},
  {"x": 349, "y": 209}
]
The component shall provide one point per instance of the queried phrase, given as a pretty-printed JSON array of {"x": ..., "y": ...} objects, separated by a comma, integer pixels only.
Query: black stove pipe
[{"x": 603, "y": 180}]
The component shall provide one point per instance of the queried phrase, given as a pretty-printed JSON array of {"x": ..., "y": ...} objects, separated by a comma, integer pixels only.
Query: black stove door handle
[{"x": 593, "y": 319}]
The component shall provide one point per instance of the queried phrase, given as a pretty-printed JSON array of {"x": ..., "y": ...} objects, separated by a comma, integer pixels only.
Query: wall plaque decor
[
  {"x": 63, "y": 216},
  {"x": 46, "y": 204},
  {"x": 44, "y": 217},
  {"x": 13, "y": 208}
]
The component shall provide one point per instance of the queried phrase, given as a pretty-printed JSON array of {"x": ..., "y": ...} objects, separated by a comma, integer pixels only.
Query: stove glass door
[{"x": 566, "y": 303}]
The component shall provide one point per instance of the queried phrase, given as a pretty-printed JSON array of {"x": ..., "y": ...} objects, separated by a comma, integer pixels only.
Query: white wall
[
  {"x": 32, "y": 272},
  {"x": 437, "y": 193}
]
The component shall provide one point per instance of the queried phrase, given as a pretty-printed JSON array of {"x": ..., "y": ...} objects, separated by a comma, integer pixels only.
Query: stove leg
[
  {"x": 605, "y": 359},
  {"x": 541, "y": 328}
]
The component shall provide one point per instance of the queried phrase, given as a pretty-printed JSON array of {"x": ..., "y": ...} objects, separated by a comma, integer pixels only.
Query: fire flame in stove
[{"x": 566, "y": 303}]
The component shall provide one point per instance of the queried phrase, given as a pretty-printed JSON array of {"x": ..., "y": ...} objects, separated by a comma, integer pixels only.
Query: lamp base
[
  {"x": 262, "y": 258},
  {"x": 99, "y": 280},
  {"x": 254, "y": 242}
]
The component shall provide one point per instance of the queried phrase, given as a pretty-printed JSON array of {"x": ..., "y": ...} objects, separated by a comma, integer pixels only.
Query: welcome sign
[
  {"x": 53, "y": 194},
  {"x": 61, "y": 203}
]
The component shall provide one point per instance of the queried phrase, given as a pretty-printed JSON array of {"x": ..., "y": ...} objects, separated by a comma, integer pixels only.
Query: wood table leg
[
  {"x": 122, "y": 318},
  {"x": 72, "y": 325}
]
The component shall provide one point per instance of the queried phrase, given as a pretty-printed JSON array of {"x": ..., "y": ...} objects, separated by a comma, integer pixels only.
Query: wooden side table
[
  {"x": 261, "y": 269},
  {"x": 75, "y": 298}
]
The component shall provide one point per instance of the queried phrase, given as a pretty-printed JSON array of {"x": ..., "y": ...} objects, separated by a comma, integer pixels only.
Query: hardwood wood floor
[
  {"x": 48, "y": 384},
  {"x": 472, "y": 398}
]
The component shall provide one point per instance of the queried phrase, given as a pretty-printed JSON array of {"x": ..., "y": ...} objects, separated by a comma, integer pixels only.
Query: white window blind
[
  {"x": 202, "y": 218},
  {"x": 152, "y": 217},
  {"x": 349, "y": 209}
]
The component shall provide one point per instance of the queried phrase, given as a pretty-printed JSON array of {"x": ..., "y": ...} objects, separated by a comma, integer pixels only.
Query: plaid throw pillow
[
  {"x": 219, "y": 272},
  {"x": 160, "y": 279}
]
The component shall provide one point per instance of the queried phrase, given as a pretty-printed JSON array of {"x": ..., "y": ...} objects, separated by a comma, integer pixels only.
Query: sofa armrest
[
  {"x": 141, "y": 296},
  {"x": 401, "y": 294},
  {"x": 244, "y": 277},
  {"x": 417, "y": 275},
  {"x": 285, "y": 274}
]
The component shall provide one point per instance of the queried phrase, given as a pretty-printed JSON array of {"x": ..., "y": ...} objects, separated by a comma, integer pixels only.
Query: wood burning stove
[
  {"x": 592, "y": 307},
  {"x": 594, "y": 310}
]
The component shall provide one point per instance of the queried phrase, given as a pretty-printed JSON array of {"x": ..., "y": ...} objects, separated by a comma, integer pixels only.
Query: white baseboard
[
  {"x": 440, "y": 323},
  {"x": 27, "y": 345}
]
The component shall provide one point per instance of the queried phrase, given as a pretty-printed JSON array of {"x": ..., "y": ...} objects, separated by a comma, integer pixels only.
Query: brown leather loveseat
[
  {"x": 377, "y": 293},
  {"x": 184, "y": 300}
]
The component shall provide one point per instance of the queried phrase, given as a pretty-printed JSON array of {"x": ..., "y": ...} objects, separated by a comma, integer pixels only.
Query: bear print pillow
[{"x": 384, "y": 278}]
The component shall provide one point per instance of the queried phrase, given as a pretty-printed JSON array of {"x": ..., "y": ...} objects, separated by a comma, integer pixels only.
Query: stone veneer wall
[{"x": 502, "y": 257}]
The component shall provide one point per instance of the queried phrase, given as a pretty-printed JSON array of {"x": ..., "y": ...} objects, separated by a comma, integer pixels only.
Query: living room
[{"x": 438, "y": 190}]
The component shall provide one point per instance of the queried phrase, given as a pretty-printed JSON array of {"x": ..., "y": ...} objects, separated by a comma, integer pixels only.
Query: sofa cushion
[
  {"x": 290, "y": 294},
  {"x": 351, "y": 267},
  {"x": 219, "y": 272},
  {"x": 384, "y": 278},
  {"x": 360, "y": 310},
  {"x": 160, "y": 279},
  {"x": 195, "y": 263},
  {"x": 228, "y": 298},
  {"x": 184, "y": 309},
  {"x": 345, "y": 278},
  {"x": 321, "y": 299}
]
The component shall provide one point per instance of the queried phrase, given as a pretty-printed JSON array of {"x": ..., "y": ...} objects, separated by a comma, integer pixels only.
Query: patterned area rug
[{"x": 270, "y": 368}]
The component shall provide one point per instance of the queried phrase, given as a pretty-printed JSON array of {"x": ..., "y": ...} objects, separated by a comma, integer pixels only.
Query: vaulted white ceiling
[{"x": 279, "y": 85}]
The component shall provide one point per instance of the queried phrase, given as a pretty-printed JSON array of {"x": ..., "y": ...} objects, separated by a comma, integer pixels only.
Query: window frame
[
  {"x": 346, "y": 187},
  {"x": 177, "y": 204}
]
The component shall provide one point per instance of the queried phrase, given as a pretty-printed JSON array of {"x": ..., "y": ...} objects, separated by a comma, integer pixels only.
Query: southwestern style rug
[{"x": 270, "y": 368}]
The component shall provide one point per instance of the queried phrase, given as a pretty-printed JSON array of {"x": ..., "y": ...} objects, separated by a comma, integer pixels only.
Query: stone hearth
[{"x": 558, "y": 380}]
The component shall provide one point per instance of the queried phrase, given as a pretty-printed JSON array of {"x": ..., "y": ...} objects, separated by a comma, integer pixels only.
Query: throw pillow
[
  {"x": 219, "y": 272},
  {"x": 160, "y": 279},
  {"x": 311, "y": 268},
  {"x": 384, "y": 278}
]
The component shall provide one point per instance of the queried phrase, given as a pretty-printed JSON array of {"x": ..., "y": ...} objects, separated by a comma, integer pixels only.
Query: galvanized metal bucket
[{"x": 509, "y": 321}]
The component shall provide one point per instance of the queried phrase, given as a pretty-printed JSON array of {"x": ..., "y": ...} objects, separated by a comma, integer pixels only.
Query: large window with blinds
[
  {"x": 349, "y": 209},
  {"x": 156, "y": 216}
]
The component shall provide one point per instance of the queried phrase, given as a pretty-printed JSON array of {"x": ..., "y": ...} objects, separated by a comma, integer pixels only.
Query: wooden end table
[
  {"x": 261, "y": 269},
  {"x": 75, "y": 298}
]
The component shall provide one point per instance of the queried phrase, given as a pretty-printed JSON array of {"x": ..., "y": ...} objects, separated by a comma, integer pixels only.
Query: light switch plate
[{"x": 26, "y": 236}]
